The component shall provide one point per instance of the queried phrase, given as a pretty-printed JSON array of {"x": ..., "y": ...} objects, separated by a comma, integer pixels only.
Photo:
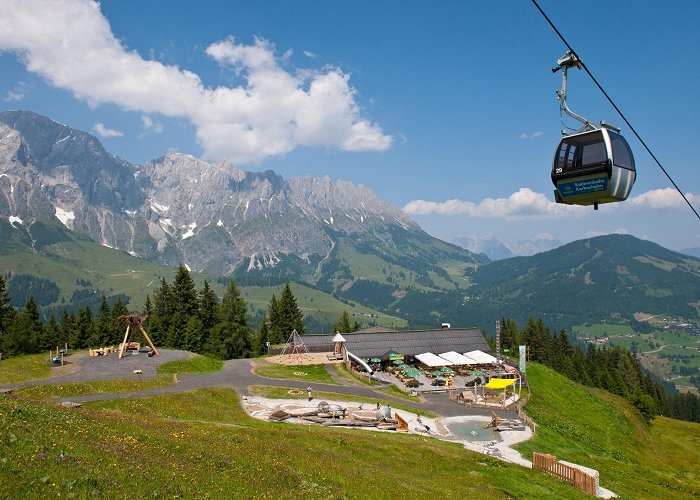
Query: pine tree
[
  {"x": 65, "y": 329},
  {"x": 192, "y": 338},
  {"x": 509, "y": 335},
  {"x": 183, "y": 304},
  {"x": 83, "y": 329},
  {"x": 291, "y": 317},
  {"x": 148, "y": 306},
  {"x": 102, "y": 332},
  {"x": 116, "y": 329},
  {"x": 7, "y": 312},
  {"x": 206, "y": 310},
  {"x": 275, "y": 323},
  {"x": 49, "y": 337},
  {"x": 20, "y": 338},
  {"x": 231, "y": 336},
  {"x": 343, "y": 324},
  {"x": 263, "y": 336},
  {"x": 37, "y": 327}
]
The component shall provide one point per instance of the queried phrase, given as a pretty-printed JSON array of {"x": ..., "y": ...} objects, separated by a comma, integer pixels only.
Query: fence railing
[
  {"x": 576, "y": 477},
  {"x": 277, "y": 349}
]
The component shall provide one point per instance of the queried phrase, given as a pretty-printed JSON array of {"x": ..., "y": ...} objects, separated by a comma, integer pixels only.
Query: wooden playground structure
[{"x": 132, "y": 321}]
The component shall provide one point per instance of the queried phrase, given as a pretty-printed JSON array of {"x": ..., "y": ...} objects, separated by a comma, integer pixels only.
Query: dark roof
[
  {"x": 408, "y": 342},
  {"x": 376, "y": 329}
]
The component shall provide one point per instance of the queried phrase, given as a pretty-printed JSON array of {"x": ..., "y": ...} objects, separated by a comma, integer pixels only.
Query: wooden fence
[
  {"x": 524, "y": 416},
  {"x": 576, "y": 477}
]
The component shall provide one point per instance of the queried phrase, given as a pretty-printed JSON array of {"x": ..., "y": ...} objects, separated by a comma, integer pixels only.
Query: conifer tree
[
  {"x": 83, "y": 329},
  {"x": 20, "y": 337},
  {"x": 230, "y": 338},
  {"x": 102, "y": 331},
  {"x": 343, "y": 324},
  {"x": 7, "y": 312},
  {"x": 275, "y": 323},
  {"x": 263, "y": 336},
  {"x": 183, "y": 304},
  {"x": 65, "y": 328},
  {"x": 206, "y": 310},
  {"x": 37, "y": 327},
  {"x": 291, "y": 317},
  {"x": 116, "y": 328},
  {"x": 49, "y": 337}
]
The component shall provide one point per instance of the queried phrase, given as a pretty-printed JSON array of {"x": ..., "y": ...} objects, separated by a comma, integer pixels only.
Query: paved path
[{"x": 236, "y": 374}]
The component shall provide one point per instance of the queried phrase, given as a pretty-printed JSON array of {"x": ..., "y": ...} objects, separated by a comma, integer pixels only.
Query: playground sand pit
[{"x": 312, "y": 358}]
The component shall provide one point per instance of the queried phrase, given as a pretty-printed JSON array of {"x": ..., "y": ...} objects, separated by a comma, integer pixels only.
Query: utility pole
[{"x": 498, "y": 339}]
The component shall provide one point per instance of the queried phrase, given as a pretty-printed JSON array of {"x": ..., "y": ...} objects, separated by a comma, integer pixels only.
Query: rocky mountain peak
[{"x": 181, "y": 209}]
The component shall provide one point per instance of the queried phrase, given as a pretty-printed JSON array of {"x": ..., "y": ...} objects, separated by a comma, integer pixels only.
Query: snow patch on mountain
[{"x": 64, "y": 216}]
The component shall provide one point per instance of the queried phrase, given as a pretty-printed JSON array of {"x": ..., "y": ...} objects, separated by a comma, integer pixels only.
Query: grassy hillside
[
  {"x": 672, "y": 354},
  {"x": 50, "y": 251},
  {"x": 321, "y": 306},
  {"x": 201, "y": 444},
  {"x": 596, "y": 429},
  {"x": 62, "y": 257}
]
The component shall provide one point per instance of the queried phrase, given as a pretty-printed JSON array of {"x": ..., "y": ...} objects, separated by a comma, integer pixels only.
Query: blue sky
[{"x": 445, "y": 109}]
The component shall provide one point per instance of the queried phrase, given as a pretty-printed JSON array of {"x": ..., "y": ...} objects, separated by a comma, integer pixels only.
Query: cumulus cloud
[
  {"x": 70, "y": 44},
  {"x": 661, "y": 199},
  {"x": 523, "y": 204},
  {"x": 527, "y": 204},
  {"x": 103, "y": 131},
  {"x": 17, "y": 93}
]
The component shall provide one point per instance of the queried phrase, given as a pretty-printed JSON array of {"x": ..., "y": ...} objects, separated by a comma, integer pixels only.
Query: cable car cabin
[{"x": 593, "y": 167}]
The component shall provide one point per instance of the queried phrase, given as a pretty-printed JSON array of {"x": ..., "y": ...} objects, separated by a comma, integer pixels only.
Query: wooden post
[
  {"x": 123, "y": 345},
  {"x": 148, "y": 338}
]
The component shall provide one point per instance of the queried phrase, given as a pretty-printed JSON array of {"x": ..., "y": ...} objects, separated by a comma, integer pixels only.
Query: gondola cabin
[{"x": 593, "y": 167}]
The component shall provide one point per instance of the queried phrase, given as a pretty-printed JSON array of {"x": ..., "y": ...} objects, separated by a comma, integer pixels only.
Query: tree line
[
  {"x": 179, "y": 316},
  {"x": 614, "y": 369}
]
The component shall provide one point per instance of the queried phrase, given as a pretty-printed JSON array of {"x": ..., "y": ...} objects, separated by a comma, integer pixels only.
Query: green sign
[
  {"x": 583, "y": 187},
  {"x": 506, "y": 350}
]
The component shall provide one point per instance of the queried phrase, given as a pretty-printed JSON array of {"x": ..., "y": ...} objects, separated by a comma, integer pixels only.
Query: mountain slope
[
  {"x": 598, "y": 278},
  {"x": 62, "y": 269},
  {"x": 596, "y": 429},
  {"x": 215, "y": 218}
]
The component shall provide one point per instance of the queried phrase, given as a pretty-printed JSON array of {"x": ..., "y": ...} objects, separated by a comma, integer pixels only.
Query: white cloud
[
  {"x": 309, "y": 54},
  {"x": 103, "y": 131},
  {"x": 533, "y": 135},
  {"x": 17, "y": 93},
  {"x": 150, "y": 126},
  {"x": 69, "y": 43},
  {"x": 527, "y": 204},
  {"x": 544, "y": 236},
  {"x": 523, "y": 204},
  {"x": 661, "y": 199}
]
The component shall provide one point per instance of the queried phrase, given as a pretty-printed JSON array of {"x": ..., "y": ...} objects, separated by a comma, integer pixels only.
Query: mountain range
[
  {"x": 63, "y": 197},
  {"x": 496, "y": 250},
  {"x": 215, "y": 218}
]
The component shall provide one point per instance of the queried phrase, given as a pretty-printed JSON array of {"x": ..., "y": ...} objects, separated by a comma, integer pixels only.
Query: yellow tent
[{"x": 500, "y": 383}]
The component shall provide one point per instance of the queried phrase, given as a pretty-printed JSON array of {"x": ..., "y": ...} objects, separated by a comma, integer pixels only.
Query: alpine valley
[{"x": 64, "y": 200}]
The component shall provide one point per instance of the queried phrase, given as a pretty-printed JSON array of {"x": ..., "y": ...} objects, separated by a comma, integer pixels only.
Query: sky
[{"x": 445, "y": 109}]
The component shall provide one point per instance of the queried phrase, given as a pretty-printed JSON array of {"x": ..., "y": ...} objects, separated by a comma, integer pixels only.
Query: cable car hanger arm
[{"x": 569, "y": 60}]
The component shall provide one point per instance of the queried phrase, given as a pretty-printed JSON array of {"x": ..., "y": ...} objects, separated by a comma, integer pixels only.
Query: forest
[
  {"x": 614, "y": 369},
  {"x": 178, "y": 316}
]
